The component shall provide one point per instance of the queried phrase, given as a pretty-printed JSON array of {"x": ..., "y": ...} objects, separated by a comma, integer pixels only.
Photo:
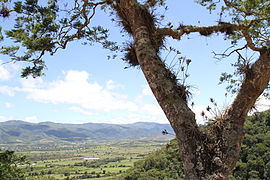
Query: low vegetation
[{"x": 102, "y": 161}]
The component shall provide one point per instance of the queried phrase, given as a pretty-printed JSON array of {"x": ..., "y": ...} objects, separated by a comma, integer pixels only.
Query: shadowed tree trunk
[{"x": 209, "y": 154}]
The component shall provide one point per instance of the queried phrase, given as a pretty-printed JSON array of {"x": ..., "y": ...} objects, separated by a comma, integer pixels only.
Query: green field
[{"x": 105, "y": 160}]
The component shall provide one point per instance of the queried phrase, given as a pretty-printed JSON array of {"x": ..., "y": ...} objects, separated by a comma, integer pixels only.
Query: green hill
[
  {"x": 20, "y": 132},
  {"x": 254, "y": 162}
]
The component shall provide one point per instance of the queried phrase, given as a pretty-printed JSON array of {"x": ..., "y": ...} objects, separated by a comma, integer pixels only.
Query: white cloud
[
  {"x": 147, "y": 91},
  {"x": 77, "y": 76},
  {"x": 5, "y": 118},
  {"x": 198, "y": 109},
  {"x": 80, "y": 110},
  {"x": 85, "y": 96},
  {"x": 31, "y": 83},
  {"x": 113, "y": 85},
  {"x": 8, "y": 105},
  {"x": 76, "y": 89},
  {"x": 8, "y": 70},
  {"x": 137, "y": 117},
  {"x": 8, "y": 91},
  {"x": 262, "y": 104},
  {"x": 110, "y": 84},
  {"x": 31, "y": 118},
  {"x": 152, "y": 109},
  {"x": 4, "y": 73}
]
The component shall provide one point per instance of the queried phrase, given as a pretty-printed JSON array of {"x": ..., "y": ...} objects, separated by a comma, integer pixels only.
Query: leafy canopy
[
  {"x": 9, "y": 165},
  {"x": 254, "y": 17},
  {"x": 41, "y": 28}
]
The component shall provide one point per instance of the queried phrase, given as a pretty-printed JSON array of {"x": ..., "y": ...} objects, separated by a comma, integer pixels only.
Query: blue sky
[{"x": 81, "y": 85}]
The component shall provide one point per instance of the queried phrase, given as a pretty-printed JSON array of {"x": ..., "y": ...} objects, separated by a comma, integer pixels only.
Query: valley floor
[{"x": 107, "y": 160}]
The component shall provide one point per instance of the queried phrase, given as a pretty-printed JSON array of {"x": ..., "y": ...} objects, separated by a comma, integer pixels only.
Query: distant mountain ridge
[{"x": 16, "y": 131}]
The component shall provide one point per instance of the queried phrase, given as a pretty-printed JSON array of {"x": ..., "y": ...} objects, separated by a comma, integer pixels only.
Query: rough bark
[
  {"x": 209, "y": 154},
  {"x": 255, "y": 82}
]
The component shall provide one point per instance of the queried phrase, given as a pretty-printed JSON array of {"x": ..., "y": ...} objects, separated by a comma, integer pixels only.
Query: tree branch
[
  {"x": 256, "y": 80},
  {"x": 230, "y": 53},
  {"x": 203, "y": 30},
  {"x": 222, "y": 27},
  {"x": 249, "y": 40},
  {"x": 63, "y": 36},
  {"x": 247, "y": 13},
  {"x": 83, "y": 12},
  {"x": 258, "y": 20}
]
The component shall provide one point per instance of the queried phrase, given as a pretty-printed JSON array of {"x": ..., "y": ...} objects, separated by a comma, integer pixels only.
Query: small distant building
[{"x": 90, "y": 158}]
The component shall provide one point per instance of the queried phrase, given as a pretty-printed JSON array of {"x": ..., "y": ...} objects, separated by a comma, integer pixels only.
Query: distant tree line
[{"x": 98, "y": 163}]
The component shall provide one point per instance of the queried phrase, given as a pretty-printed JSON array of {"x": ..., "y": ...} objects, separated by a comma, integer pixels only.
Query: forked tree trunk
[{"x": 209, "y": 154}]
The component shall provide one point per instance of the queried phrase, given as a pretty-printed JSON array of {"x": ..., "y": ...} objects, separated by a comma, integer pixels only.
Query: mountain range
[{"x": 21, "y": 132}]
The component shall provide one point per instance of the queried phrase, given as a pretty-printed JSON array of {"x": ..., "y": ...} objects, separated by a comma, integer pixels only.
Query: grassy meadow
[{"x": 105, "y": 160}]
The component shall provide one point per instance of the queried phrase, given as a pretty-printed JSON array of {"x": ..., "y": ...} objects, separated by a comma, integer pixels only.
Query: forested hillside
[
  {"x": 20, "y": 132},
  {"x": 254, "y": 162}
]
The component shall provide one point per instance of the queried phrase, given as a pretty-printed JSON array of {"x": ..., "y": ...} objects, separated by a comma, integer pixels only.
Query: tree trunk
[
  {"x": 256, "y": 80},
  {"x": 209, "y": 154}
]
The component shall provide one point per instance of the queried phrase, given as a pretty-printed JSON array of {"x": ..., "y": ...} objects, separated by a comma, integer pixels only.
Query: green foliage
[
  {"x": 34, "y": 29},
  {"x": 41, "y": 28},
  {"x": 1, "y": 35},
  {"x": 9, "y": 165},
  {"x": 44, "y": 27},
  {"x": 254, "y": 162},
  {"x": 163, "y": 164},
  {"x": 255, "y": 156},
  {"x": 254, "y": 15}
]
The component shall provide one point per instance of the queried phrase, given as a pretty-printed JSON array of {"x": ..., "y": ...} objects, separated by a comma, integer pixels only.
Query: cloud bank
[{"x": 85, "y": 96}]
